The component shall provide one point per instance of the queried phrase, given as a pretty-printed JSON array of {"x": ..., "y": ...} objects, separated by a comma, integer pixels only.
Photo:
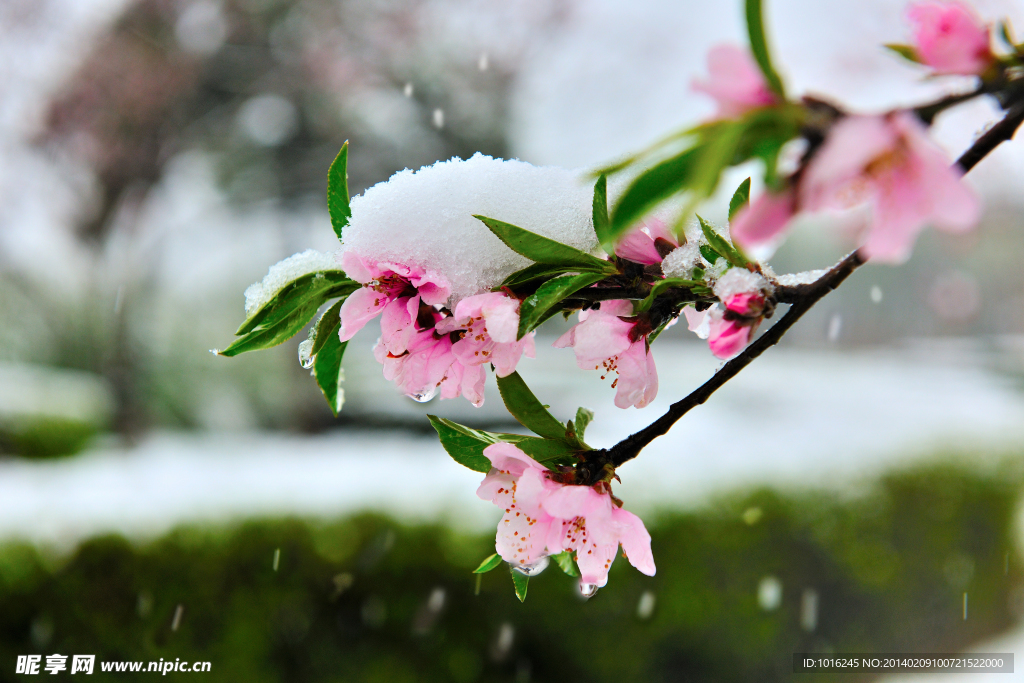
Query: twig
[
  {"x": 802, "y": 298},
  {"x": 628, "y": 448}
]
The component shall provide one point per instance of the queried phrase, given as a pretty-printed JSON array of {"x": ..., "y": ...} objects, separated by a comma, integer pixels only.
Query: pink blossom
[
  {"x": 888, "y": 162},
  {"x": 950, "y": 38},
  {"x": 487, "y": 326},
  {"x": 641, "y": 245},
  {"x": 415, "y": 357},
  {"x": 730, "y": 326},
  {"x": 544, "y": 517},
  {"x": 382, "y": 284},
  {"x": 604, "y": 340},
  {"x": 735, "y": 82},
  {"x": 764, "y": 218}
]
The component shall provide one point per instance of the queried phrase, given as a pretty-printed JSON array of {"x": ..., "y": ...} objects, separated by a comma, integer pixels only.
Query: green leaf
[
  {"x": 668, "y": 283},
  {"x": 564, "y": 561},
  {"x": 740, "y": 198},
  {"x": 527, "y": 409},
  {"x": 536, "y": 271},
  {"x": 602, "y": 222},
  {"x": 328, "y": 324},
  {"x": 718, "y": 152},
  {"x": 288, "y": 311},
  {"x": 709, "y": 254},
  {"x": 540, "y": 249},
  {"x": 520, "y": 581},
  {"x": 322, "y": 285},
  {"x": 759, "y": 46},
  {"x": 328, "y": 373},
  {"x": 651, "y": 188},
  {"x": 488, "y": 564},
  {"x": 722, "y": 245},
  {"x": 465, "y": 445},
  {"x": 583, "y": 420},
  {"x": 337, "y": 191},
  {"x": 533, "y": 308},
  {"x": 548, "y": 452},
  {"x": 907, "y": 52}
]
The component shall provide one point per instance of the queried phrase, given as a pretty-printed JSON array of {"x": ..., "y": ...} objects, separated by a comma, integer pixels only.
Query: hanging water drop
[
  {"x": 534, "y": 568},
  {"x": 423, "y": 397},
  {"x": 306, "y": 357},
  {"x": 588, "y": 590},
  {"x": 407, "y": 91},
  {"x": 835, "y": 326},
  {"x": 439, "y": 118}
]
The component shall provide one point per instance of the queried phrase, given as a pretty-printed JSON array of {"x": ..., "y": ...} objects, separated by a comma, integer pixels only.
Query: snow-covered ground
[{"x": 794, "y": 418}]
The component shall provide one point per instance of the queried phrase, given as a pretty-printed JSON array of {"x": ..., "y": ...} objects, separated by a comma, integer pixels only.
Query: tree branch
[
  {"x": 802, "y": 298},
  {"x": 628, "y": 448}
]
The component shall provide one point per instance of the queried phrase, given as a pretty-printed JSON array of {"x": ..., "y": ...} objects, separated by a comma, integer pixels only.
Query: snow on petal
[{"x": 426, "y": 218}]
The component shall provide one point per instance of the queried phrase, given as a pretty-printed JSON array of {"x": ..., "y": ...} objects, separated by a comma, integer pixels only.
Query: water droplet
[
  {"x": 588, "y": 590},
  {"x": 534, "y": 568},
  {"x": 876, "y": 294},
  {"x": 407, "y": 91},
  {"x": 484, "y": 62},
  {"x": 424, "y": 396},
  {"x": 645, "y": 608},
  {"x": 439, "y": 118},
  {"x": 809, "y": 610},
  {"x": 769, "y": 593},
  {"x": 835, "y": 326},
  {"x": 277, "y": 558},
  {"x": 306, "y": 356}
]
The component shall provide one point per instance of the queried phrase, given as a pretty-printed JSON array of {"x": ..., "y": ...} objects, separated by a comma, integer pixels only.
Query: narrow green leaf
[
  {"x": 520, "y": 581},
  {"x": 564, "y": 561},
  {"x": 740, "y": 198},
  {"x": 533, "y": 308},
  {"x": 709, "y": 254},
  {"x": 488, "y": 564},
  {"x": 759, "y": 46},
  {"x": 541, "y": 249},
  {"x": 722, "y": 245},
  {"x": 328, "y": 324},
  {"x": 718, "y": 152},
  {"x": 465, "y": 445},
  {"x": 583, "y": 420},
  {"x": 602, "y": 222},
  {"x": 1006, "y": 33},
  {"x": 651, "y": 188},
  {"x": 328, "y": 373},
  {"x": 536, "y": 271},
  {"x": 337, "y": 191},
  {"x": 548, "y": 452},
  {"x": 322, "y": 285},
  {"x": 907, "y": 52},
  {"x": 289, "y": 311},
  {"x": 527, "y": 409},
  {"x": 668, "y": 283}
]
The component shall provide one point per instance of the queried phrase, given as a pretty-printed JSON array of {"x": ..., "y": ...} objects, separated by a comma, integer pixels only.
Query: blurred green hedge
[{"x": 369, "y": 599}]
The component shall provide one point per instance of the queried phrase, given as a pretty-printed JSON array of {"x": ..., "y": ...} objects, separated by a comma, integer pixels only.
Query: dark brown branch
[{"x": 995, "y": 136}]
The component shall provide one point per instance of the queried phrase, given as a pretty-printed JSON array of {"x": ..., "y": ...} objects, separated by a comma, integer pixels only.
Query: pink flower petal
[
  {"x": 735, "y": 82},
  {"x": 638, "y": 379},
  {"x": 359, "y": 308},
  {"x": 636, "y": 542},
  {"x": 760, "y": 221},
  {"x": 950, "y": 38}
]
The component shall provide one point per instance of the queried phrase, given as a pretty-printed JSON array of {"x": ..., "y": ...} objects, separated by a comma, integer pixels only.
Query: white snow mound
[
  {"x": 425, "y": 218},
  {"x": 283, "y": 272}
]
